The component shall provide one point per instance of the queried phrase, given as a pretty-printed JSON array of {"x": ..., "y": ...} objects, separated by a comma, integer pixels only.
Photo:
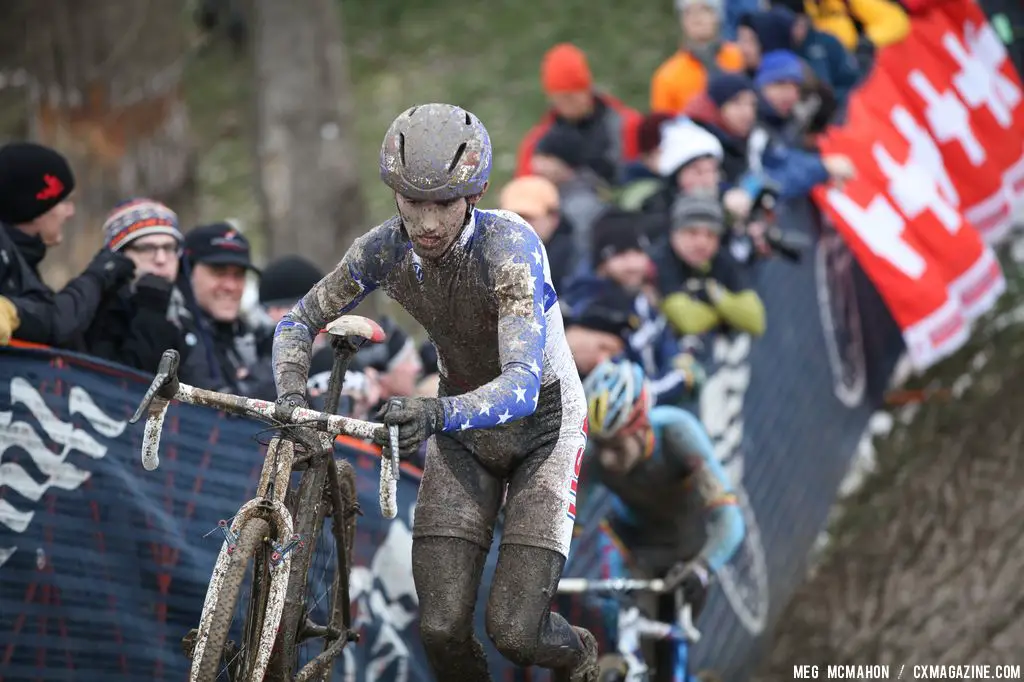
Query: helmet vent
[
  {"x": 469, "y": 121},
  {"x": 412, "y": 111},
  {"x": 401, "y": 147},
  {"x": 458, "y": 156}
]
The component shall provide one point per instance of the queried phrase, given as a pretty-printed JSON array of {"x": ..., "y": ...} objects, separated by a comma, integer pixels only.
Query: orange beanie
[{"x": 565, "y": 69}]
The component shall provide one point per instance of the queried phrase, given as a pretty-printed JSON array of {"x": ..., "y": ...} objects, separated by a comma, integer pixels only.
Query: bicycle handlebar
[
  {"x": 656, "y": 586},
  {"x": 166, "y": 387}
]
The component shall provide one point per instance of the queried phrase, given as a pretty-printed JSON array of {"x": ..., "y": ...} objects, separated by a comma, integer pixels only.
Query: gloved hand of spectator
[
  {"x": 693, "y": 372},
  {"x": 153, "y": 292},
  {"x": 840, "y": 168},
  {"x": 417, "y": 420},
  {"x": 112, "y": 268},
  {"x": 9, "y": 320},
  {"x": 693, "y": 578}
]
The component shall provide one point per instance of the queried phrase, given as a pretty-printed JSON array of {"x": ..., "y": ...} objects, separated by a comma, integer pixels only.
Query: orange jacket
[
  {"x": 681, "y": 77},
  {"x": 625, "y": 118},
  {"x": 884, "y": 21}
]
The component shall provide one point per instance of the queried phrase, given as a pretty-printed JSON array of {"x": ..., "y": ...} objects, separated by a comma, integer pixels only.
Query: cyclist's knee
[
  {"x": 444, "y": 631},
  {"x": 514, "y": 632}
]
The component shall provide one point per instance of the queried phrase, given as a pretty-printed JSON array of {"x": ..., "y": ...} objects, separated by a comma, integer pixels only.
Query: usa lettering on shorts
[{"x": 574, "y": 480}]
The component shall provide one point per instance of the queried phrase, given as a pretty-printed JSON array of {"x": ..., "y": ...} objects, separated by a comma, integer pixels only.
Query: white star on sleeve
[
  {"x": 536, "y": 397},
  {"x": 504, "y": 416},
  {"x": 455, "y": 409},
  {"x": 515, "y": 236},
  {"x": 485, "y": 409},
  {"x": 465, "y": 426},
  {"x": 536, "y": 326},
  {"x": 533, "y": 283},
  {"x": 520, "y": 394},
  {"x": 537, "y": 256},
  {"x": 534, "y": 367}
]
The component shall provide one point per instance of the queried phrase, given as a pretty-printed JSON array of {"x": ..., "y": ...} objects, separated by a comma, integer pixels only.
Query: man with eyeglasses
[{"x": 148, "y": 315}]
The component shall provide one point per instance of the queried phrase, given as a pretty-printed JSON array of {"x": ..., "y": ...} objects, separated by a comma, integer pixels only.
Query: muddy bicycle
[
  {"x": 628, "y": 663},
  {"x": 277, "y": 531}
]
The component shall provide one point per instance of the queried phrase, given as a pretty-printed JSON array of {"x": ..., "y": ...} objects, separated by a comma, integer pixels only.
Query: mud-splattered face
[{"x": 432, "y": 226}]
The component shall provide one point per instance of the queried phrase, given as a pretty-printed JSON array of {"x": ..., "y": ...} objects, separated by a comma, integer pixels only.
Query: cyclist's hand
[
  {"x": 417, "y": 419},
  {"x": 692, "y": 578}
]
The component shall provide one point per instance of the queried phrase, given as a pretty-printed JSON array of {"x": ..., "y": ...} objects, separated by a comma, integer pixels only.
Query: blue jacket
[
  {"x": 830, "y": 61},
  {"x": 793, "y": 170},
  {"x": 651, "y": 344}
]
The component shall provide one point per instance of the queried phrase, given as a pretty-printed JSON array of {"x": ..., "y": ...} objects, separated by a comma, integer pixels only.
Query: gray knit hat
[{"x": 691, "y": 210}]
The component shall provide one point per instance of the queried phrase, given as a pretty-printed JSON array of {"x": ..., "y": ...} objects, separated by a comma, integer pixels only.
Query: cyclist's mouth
[{"x": 428, "y": 242}]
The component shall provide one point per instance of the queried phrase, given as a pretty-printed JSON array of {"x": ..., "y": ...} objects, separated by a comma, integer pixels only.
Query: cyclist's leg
[
  {"x": 539, "y": 517},
  {"x": 455, "y": 511}
]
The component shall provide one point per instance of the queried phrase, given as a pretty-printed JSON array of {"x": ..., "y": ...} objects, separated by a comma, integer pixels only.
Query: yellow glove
[{"x": 9, "y": 320}]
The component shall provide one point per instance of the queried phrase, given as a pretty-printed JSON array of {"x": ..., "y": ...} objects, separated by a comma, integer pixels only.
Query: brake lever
[{"x": 164, "y": 384}]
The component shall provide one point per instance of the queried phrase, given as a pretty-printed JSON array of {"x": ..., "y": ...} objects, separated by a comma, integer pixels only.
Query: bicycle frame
[
  {"x": 269, "y": 502},
  {"x": 633, "y": 626}
]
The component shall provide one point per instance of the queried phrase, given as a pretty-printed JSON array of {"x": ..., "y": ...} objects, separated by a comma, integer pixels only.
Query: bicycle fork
[{"x": 281, "y": 519}]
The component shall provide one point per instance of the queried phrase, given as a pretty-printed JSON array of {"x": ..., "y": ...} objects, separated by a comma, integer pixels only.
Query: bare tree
[
  {"x": 104, "y": 86},
  {"x": 307, "y": 160}
]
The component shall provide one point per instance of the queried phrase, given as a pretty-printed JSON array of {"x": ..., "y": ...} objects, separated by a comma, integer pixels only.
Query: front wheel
[{"x": 237, "y": 661}]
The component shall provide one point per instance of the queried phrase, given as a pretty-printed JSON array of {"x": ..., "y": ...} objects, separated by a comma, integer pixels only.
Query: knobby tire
[{"x": 250, "y": 541}]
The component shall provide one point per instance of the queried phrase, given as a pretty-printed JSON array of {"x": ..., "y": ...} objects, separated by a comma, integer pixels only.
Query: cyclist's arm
[
  {"x": 516, "y": 264},
  {"x": 686, "y": 440},
  {"x": 360, "y": 272}
]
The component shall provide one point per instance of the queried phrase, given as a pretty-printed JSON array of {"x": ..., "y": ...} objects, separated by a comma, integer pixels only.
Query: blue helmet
[{"x": 617, "y": 393}]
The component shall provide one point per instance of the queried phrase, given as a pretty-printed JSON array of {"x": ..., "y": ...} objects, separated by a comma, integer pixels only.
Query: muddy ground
[{"x": 926, "y": 562}]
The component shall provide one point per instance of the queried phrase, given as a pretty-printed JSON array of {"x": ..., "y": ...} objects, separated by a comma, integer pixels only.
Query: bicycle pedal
[{"x": 281, "y": 551}]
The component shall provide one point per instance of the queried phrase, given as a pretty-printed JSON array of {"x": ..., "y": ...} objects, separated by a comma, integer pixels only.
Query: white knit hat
[{"x": 682, "y": 142}]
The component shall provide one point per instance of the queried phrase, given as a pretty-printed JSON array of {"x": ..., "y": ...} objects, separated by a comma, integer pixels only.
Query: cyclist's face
[{"x": 432, "y": 225}]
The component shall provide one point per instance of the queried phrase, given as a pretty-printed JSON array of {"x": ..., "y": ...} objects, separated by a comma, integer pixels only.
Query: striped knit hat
[{"x": 136, "y": 218}]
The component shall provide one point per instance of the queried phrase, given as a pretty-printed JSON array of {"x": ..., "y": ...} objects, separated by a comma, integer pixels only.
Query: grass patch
[{"x": 485, "y": 57}]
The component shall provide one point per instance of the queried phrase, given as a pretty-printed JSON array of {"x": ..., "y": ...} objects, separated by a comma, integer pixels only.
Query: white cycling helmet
[{"x": 617, "y": 393}]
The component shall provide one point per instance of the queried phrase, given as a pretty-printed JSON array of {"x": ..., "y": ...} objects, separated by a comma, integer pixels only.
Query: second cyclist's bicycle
[
  {"x": 272, "y": 537},
  {"x": 628, "y": 663}
]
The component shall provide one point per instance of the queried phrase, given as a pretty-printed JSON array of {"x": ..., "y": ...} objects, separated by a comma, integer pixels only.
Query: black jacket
[
  {"x": 137, "y": 324},
  {"x": 55, "y": 319}
]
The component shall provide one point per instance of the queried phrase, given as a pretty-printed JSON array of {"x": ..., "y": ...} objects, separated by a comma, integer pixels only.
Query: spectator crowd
[{"x": 654, "y": 222}]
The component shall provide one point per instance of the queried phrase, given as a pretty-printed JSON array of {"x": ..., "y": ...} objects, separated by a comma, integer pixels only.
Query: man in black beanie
[{"x": 36, "y": 183}]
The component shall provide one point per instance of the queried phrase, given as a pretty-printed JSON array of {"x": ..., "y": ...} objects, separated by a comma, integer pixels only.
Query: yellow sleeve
[
  {"x": 688, "y": 315},
  {"x": 885, "y": 22},
  {"x": 664, "y": 88},
  {"x": 742, "y": 310}
]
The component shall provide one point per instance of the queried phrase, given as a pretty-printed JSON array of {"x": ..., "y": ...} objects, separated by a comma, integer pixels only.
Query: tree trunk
[
  {"x": 306, "y": 156},
  {"x": 105, "y": 89}
]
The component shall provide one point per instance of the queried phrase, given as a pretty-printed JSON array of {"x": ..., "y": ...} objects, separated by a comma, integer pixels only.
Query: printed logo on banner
[
  {"x": 54, "y": 468},
  {"x": 840, "y": 317},
  {"x": 745, "y": 579},
  {"x": 386, "y": 603}
]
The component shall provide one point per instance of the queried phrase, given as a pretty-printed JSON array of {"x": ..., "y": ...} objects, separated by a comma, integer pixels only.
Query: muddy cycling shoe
[{"x": 586, "y": 670}]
